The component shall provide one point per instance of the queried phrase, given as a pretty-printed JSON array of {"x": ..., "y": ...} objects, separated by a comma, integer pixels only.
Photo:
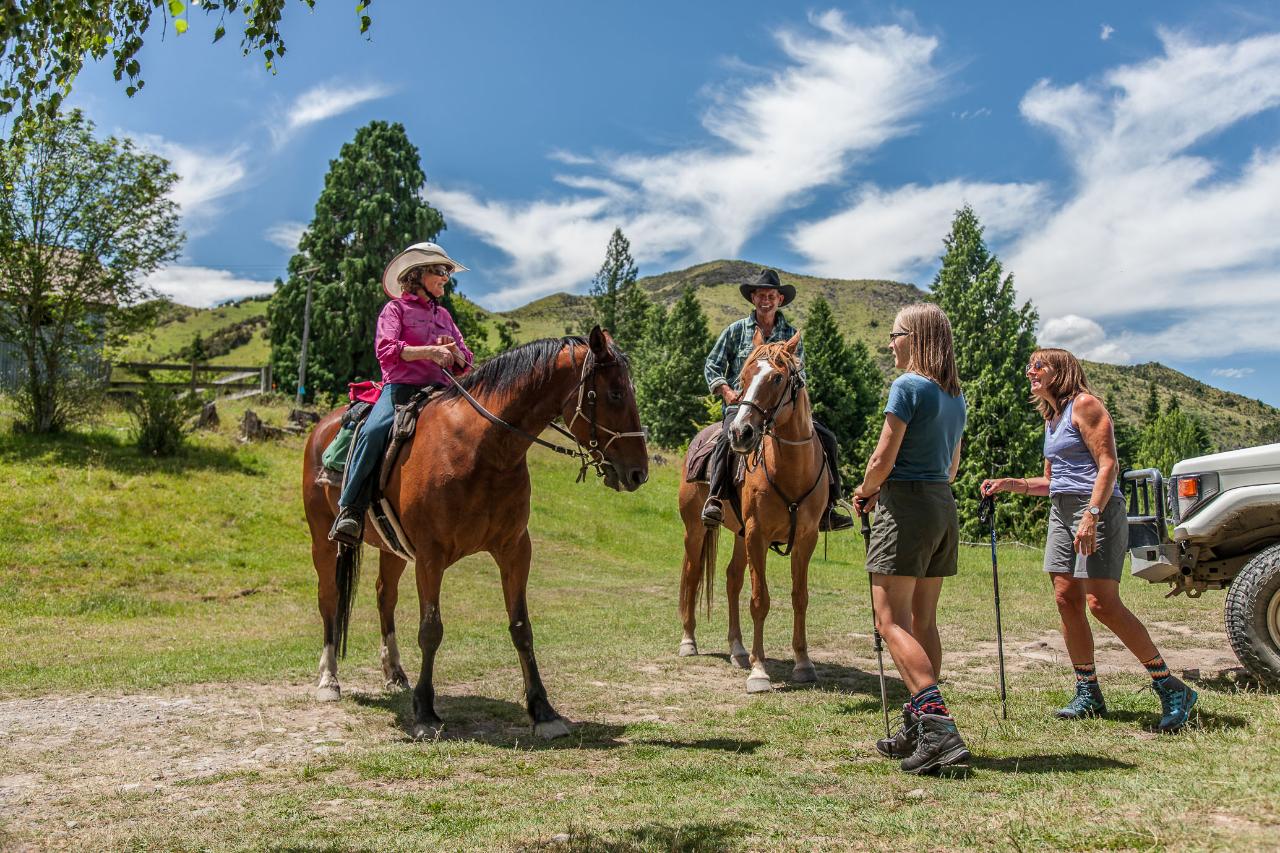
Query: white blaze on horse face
[{"x": 753, "y": 392}]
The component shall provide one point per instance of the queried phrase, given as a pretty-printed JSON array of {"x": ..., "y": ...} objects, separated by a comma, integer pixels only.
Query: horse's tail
[
  {"x": 348, "y": 577},
  {"x": 710, "y": 542}
]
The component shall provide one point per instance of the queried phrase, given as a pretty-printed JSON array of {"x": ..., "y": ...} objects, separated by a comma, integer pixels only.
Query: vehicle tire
[{"x": 1253, "y": 616}]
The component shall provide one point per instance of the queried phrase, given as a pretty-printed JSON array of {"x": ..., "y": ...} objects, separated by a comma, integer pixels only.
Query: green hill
[{"x": 864, "y": 310}]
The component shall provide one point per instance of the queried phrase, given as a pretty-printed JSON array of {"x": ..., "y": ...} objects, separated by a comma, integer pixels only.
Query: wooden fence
[{"x": 234, "y": 380}]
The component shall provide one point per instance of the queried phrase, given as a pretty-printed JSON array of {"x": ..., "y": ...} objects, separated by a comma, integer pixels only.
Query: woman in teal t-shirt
[{"x": 916, "y": 534}]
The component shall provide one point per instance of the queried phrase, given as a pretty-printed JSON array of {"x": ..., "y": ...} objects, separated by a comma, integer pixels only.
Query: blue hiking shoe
[
  {"x": 1086, "y": 703},
  {"x": 1176, "y": 702}
]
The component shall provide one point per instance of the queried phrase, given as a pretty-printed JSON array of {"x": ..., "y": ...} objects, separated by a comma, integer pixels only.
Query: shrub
[{"x": 161, "y": 412}]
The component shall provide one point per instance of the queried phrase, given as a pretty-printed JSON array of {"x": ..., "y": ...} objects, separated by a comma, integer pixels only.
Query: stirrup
[{"x": 713, "y": 512}]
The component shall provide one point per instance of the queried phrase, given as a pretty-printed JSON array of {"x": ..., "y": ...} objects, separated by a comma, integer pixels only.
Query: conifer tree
[
  {"x": 1152, "y": 410},
  {"x": 370, "y": 209},
  {"x": 1128, "y": 438},
  {"x": 844, "y": 384},
  {"x": 994, "y": 339},
  {"x": 614, "y": 303},
  {"x": 667, "y": 371}
]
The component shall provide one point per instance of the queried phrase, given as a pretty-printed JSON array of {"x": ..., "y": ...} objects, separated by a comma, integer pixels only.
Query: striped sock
[
  {"x": 1157, "y": 668},
  {"x": 1086, "y": 672},
  {"x": 929, "y": 701}
]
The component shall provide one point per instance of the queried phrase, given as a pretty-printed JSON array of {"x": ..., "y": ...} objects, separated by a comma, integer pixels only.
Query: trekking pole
[
  {"x": 987, "y": 515},
  {"x": 879, "y": 641}
]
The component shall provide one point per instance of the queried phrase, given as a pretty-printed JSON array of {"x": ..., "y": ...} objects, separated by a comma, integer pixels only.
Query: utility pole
[{"x": 306, "y": 334}]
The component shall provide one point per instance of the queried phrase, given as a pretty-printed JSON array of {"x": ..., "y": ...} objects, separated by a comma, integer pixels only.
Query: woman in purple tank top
[{"x": 1088, "y": 534}]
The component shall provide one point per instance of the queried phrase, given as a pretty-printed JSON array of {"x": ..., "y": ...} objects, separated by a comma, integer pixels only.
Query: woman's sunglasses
[
  {"x": 439, "y": 269},
  {"x": 895, "y": 335},
  {"x": 1036, "y": 365}
]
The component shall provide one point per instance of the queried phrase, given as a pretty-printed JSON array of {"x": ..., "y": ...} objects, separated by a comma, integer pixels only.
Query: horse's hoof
[
  {"x": 551, "y": 729},
  {"x": 759, "y": 685},
  {"x": 688, "y": 648},
  {"x": 426, "y": 731},
  {"x": 398, "y": 681},
  {"x": 328, "y": 693},
  {"x": 742, "y": 661},
  {"x": 804, "y": 674}
]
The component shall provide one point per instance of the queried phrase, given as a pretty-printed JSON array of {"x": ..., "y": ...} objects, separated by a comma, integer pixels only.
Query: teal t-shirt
[{"x": 935, "y": 421}]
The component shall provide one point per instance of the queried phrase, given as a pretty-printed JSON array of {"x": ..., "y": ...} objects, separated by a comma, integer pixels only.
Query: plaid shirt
[{"x": 725, "y": 361}]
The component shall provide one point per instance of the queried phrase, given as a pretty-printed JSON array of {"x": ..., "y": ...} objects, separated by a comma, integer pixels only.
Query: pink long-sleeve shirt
[{"x": 413, "y": 321}]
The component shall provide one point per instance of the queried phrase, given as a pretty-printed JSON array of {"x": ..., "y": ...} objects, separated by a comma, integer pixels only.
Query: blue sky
[{"x": 1125, "y": 158}]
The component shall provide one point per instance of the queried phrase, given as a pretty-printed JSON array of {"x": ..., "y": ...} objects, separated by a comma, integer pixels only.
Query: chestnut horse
[
  {"x": 783, "y": 499},
  {"x": 462, "y": 486}
]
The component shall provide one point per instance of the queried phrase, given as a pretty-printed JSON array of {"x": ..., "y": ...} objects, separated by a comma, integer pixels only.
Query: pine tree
[
  {"x": 1128, "y": 438},
  {"x": 667, "y": 370},
  {"x": 994, "y": 339},
  {"x": 370, "y": 209},
  {"x": 609, "y": 287},
  {"x": 633, "y": 316},
  {"x": 844, "y": 384},
  {"x": 1152, "y": 410}
]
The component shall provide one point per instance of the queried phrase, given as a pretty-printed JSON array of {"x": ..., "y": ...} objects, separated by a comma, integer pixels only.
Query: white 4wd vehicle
[{"x": 1225, "y": 516}]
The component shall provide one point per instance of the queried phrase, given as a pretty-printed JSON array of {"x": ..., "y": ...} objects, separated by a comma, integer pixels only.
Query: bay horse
[
  {"x": 462, "y": 486},
  {"x": 783, "y": 499}
]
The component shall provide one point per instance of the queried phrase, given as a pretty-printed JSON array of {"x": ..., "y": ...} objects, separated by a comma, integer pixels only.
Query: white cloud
[
  {"x": 1150, "y": 226},
  {"x": 569, "y": 158},
  {"x": 323, "y": 102},
  {"x": 1232, "y": 372},
  {"x": 286, "y": 235},
  {"x": 842, "y": 92},
  {"x": 1082, "y": 336},
  {"x": 204, "y": 177},
  {"x": 203, "y": 287},
  {"x": 1106, "y": 32},
  {"x": 891, "y": 234}
]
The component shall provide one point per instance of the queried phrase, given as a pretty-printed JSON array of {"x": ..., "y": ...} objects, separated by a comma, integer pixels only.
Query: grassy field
[{"x": 159, "y": 639}]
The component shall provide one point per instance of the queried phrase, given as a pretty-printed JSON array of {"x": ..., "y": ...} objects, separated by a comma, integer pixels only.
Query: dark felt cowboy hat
[{"x": 769, "y": 278}]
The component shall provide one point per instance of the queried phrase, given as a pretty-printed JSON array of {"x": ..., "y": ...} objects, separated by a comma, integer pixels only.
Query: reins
[
  {"x": 590, "y": 456},
  {"x": 767, "y": 429}
]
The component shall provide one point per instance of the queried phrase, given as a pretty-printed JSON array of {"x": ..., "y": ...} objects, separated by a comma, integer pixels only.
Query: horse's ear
[
  {"x": 600, "y": 341},
  {"x": 790, "y": 346},
  {"x": 757, "y": 340}
]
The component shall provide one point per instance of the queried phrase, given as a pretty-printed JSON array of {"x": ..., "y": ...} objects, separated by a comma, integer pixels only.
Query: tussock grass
[{"x": 189, "y": 580}]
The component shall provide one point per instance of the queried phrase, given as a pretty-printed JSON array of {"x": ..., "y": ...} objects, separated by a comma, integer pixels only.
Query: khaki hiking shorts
[
  {"x": 1107, "y": 562},
  {"x": 916, "y": 531}
]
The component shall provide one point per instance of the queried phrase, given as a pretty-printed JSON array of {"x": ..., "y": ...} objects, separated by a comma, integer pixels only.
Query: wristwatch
[{"x": 1093, "y": 510}]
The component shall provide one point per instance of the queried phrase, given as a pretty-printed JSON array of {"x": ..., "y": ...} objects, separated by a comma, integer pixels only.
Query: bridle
[
  {"x": 591, "y": 455},
  {"x": 795, "y": 382}
]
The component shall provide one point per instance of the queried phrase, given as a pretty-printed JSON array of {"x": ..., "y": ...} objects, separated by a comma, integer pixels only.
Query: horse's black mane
[{"x": 515, "y": 367}]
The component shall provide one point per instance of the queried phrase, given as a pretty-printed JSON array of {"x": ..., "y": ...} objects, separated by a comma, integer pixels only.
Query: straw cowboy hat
[
  {"x": 417, "y": 255},
  {"x": 769, "y": 278}
]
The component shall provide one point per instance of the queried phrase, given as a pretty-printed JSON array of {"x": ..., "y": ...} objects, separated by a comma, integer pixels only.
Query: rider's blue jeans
[{"x": 370, "y": 445}]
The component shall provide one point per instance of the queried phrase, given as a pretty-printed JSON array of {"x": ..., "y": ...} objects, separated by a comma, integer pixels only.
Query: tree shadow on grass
[
  {"x": 714, "y": 837},
  {"x": 1066, "y": 762},
  {"x": 500, "y": 723},
  {"x": 104, "y": 450}
]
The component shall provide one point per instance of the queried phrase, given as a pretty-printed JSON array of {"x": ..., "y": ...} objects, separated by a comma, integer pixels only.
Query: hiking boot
[
  {"x": 939, "y": 745},
  {"x": 1176, "y": 702},
  {"x": 348, "y": 527},
  {"x": 1086, "y": 703},
  {"x": 902, "y": 742},
  {"x": 833, "y": 520},
  {"x": 712, "y": 512}
]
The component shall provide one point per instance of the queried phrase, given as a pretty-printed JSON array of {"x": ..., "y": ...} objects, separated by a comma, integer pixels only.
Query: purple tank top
[{"x": 1073, "y": 470}]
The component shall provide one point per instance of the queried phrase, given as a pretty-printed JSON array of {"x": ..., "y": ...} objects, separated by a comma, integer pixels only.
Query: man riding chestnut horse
[{"x": 723, "y": 369}]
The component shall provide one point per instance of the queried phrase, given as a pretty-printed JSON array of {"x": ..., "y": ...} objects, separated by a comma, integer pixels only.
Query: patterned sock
[
  {"x": 1157, "y": 668},
  {"x": 929, "y": 701},
  {"x": 1086, "y": 672}
]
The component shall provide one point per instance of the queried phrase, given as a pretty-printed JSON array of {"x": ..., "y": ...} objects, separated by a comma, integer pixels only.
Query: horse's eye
[
  {"x": 615, "y": 396},
  {"x": 777, "y": 379}
]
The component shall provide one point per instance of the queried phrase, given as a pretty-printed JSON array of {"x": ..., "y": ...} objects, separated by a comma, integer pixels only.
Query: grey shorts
[
  {"x": 1107, "y": 562},
  {"x": 916, "y": 531}
]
